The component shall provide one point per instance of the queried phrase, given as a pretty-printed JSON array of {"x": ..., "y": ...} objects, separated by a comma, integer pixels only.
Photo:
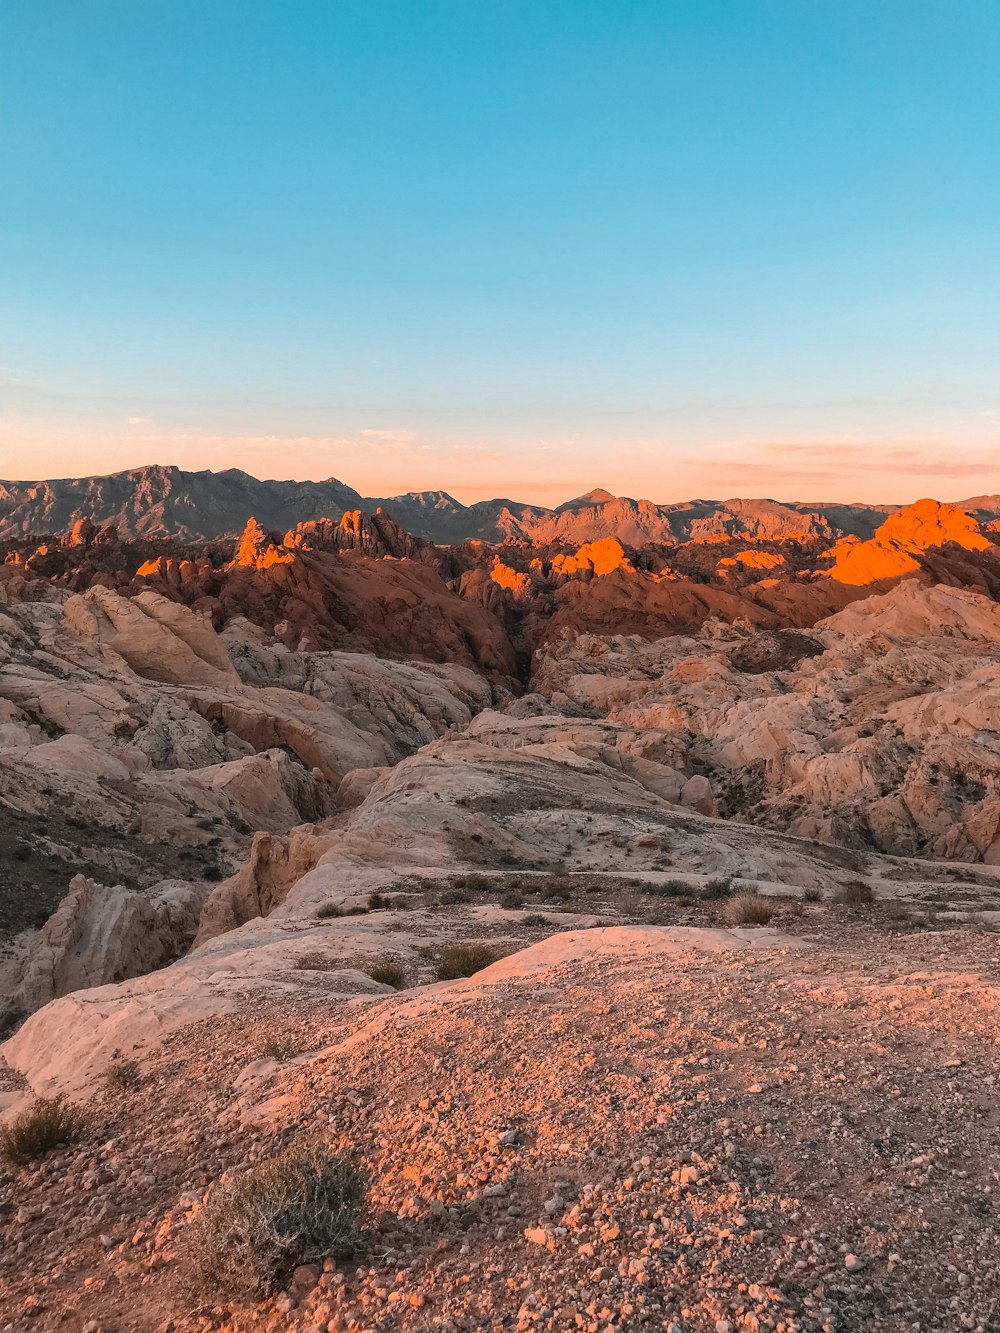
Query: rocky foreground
[{"x": 728, "y": 1054}]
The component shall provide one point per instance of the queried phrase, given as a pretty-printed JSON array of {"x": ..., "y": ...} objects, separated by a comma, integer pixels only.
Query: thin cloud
[
  {"x": 822, "y": 459},
  {"x": 140, "y": 421},
  {"x": 392, "y": 436},
  {"x": 11, "y": 378}
]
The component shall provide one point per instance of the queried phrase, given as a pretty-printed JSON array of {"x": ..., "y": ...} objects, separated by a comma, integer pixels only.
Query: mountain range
[{"x": 164, "y": 500}]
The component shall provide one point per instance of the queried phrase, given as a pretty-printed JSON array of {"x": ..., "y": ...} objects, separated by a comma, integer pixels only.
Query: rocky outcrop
[
  {"x": 896, "y": 549},
  {"x": 601, "y": 557},
  {"x": 273, "y": 865},
  {"x": 100, "y": 935},
  {"x": 157, "y": 638}
]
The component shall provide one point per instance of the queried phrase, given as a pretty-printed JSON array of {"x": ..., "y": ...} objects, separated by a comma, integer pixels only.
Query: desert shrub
[
  {"x": 855, "y": 893},
  {"x": 299, "y": 1207},
  {"x": 812, "y": 895},
  {"x": 124, "y": 1074},
  {"x": 451, "y": 897},
  {"x": 748, "y": 909},
  {"x": 463, "y": 960},
  {"x": 719, "y": 886},
  {"x": 535, "y": 919},
  {"x": 667, "y": 888},
  {"x": 891, "y": 909},
  {"x": 388, "y": 974},
  {"x": 512, "y": 901},
  {"x": 279, "y": 1048},
  {"x": 329, "y": 910},
  {"x": 378, "y": 901},
  {"x": 559, "y": 889},
  {"x": 50, "y": 1122}
]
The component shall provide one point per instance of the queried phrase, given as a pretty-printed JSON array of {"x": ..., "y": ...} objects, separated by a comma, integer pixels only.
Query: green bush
[
  {"x": 299, "y": 1207},
  {"x": 50, "y": 1122},
  {"x": 279, "y": 1048},
  {"x": 463, "y": 960}
]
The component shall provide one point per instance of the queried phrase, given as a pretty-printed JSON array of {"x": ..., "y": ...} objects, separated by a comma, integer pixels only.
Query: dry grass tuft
[
  {"x": 855, "y": 893},
  {"x": 463, "y": 960},
  {"x": 388, "y": 974},
  {"x": 748, "y": 909},
  {"x": 296, "y": 1208},
  {"x": 50, "y": 1122},
  {"x": 124, "y": 1074}
]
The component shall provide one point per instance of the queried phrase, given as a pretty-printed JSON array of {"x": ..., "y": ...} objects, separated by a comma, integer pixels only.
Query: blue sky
[{"x": 518, "y": 247}]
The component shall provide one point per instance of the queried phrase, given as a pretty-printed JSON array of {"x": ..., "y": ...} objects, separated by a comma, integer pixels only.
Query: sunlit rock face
[
  {"x": 599, "y": 557},
  {"x": 911, "y": 532}
]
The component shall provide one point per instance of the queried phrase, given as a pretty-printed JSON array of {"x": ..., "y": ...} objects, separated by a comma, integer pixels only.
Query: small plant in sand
[
  {"x": 50, "y": 1122},
  {"x": 748, "y": 909},
  {"x": 463, "y": 960},
  {"x": 299, "y": 1207}
]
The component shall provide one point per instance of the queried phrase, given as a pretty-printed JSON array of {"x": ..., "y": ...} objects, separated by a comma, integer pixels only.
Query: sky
[{"x": 522, "y": 248}]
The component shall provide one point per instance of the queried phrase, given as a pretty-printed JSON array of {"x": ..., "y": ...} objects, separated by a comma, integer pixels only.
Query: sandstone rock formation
[
  {"x": 137, "y": 742},
  {"x": 894, "y": 551},
  {"x": 876, "y": 730},
  {"x": 100, "y": 935}
]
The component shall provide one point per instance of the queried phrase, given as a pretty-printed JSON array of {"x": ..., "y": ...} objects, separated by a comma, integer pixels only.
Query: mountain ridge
[{"x": 166, "y": 500}]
